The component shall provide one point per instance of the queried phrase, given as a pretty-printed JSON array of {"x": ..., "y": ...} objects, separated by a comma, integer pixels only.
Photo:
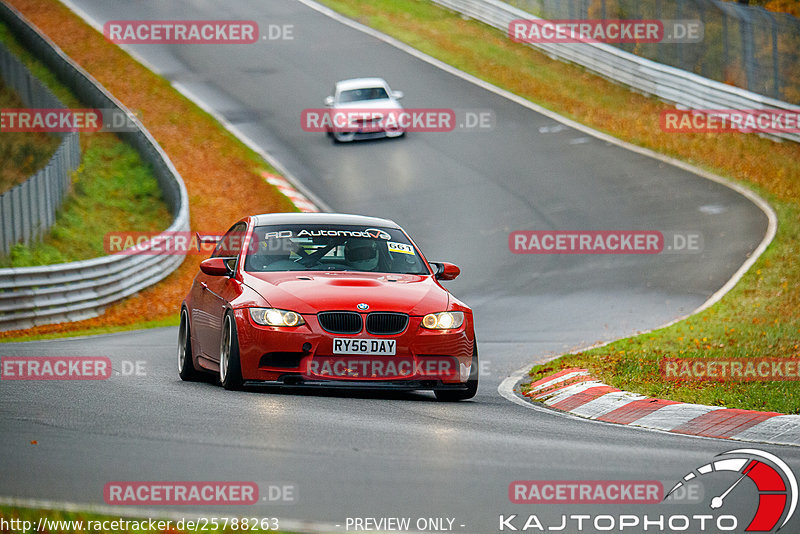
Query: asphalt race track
[{"x": 459, "y": 195}]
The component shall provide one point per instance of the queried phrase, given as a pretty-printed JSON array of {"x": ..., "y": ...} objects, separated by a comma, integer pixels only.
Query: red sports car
[{"x": 327, "y": 300}]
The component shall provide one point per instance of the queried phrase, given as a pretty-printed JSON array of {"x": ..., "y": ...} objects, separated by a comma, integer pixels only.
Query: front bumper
[
  {"x": 346, "y": 136},
  {"x": 303, "y": 356},
  {"x": 293, "y": 382}
]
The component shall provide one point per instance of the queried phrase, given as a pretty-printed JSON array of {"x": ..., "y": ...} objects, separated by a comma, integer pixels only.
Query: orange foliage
[{"x": 791, "y": 7}]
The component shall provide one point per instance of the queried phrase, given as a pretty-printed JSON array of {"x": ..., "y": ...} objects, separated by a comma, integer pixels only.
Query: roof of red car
[{"x": 322, "y": 218}]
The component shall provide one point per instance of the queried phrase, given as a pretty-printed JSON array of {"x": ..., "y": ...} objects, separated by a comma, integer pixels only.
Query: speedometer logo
[{"x": 775, "y": 483}]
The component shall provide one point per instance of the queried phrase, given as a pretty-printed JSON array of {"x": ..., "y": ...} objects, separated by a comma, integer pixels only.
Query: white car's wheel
[{"x": 343, "y": 137}]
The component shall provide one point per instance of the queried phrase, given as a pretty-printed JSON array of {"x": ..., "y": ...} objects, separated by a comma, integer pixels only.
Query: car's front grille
[
  {"x": 340, "y": 322},
  {"x": 386, "y": 323}
]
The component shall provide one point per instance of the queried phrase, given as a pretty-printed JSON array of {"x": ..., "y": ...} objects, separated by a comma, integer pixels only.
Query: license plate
[{"x": 385, "y": 347}]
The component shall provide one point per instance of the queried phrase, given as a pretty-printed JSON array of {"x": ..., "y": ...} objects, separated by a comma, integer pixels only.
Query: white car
[{"x": 364, "y": 108}]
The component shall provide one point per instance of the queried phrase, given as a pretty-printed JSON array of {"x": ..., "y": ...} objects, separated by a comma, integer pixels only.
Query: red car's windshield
[{"x": 309, "y": 247}]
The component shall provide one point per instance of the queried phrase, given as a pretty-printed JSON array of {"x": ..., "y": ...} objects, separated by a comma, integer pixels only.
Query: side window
[{"x": 231, "y": 244}]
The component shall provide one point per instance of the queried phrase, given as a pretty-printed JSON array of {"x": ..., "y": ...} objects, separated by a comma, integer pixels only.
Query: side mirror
[
  {"x": 398, "y": 94},
  {"x": 215, "y": 267},
  {"x": 445, "y": 271},
  {"x": 206, "y": 239},
  {"x": 329, "y": 101}
]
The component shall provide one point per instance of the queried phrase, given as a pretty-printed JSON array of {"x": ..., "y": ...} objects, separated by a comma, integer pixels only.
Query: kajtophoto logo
[
  {"x": 770, "y": 496},
  {"x": 774, "y": 480}
]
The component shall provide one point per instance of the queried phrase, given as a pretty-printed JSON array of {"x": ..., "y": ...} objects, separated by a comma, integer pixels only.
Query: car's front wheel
[
  {"x": 230, "y": 368},
  {"x": 186, "y": 368},
  {"x": 343, "y": 137},
  {"x": 452, "y": 395}
]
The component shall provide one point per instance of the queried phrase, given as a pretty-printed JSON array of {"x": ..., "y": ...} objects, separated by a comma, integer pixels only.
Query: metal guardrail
[
  {"x": 743, "y": 45},
  {"x": 685, "y": 89},
  {"x": 28, "y": 209},
  {"x": 32, "y": 296}
]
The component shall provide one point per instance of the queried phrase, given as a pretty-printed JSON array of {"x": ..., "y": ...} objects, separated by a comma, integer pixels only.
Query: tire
[
  {"x": 230, "y": 368},
  {"x": 186, "y": 369},
  {"x": 453, "y": 395},
  {"x": 339, "y": 139}
]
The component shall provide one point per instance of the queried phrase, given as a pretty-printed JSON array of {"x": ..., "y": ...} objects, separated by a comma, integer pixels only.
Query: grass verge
[
  {"x": 223, "y": 177},
  {"x": 759, "y": 318},
  {"x": 20, "y": 519},
  {"x": 112, "y": 190}
]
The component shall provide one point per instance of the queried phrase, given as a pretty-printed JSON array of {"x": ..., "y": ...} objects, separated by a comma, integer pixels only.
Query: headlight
[
  {"x": 275, "y": 317},
  {"x": 443, "y": 320}
]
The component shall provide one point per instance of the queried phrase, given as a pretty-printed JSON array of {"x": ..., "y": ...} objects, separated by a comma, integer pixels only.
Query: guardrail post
[
  {"x": 748, "y": 53},
  {"x": 776, "y": 71}
]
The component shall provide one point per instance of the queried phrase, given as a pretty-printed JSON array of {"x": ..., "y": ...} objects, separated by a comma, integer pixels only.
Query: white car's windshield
[{"x": 367, "y": 93}]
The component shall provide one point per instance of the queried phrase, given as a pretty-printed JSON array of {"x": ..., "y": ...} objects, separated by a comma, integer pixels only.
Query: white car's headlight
[
  {"x": 275, "y": 317},
  {"x": 443, "y": 320}
]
